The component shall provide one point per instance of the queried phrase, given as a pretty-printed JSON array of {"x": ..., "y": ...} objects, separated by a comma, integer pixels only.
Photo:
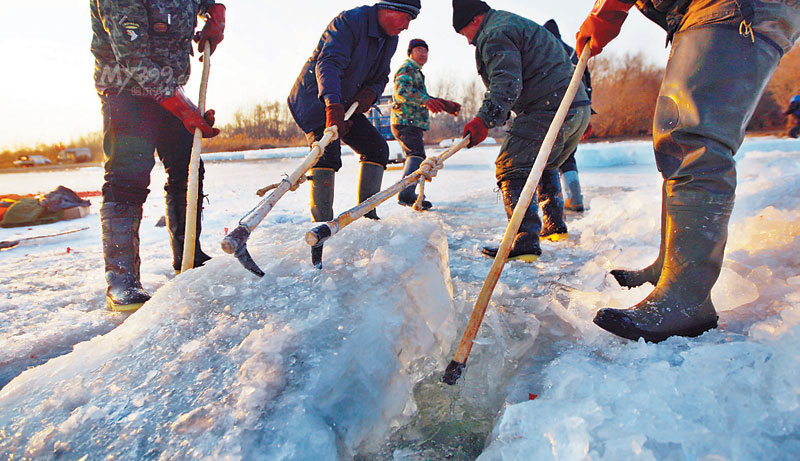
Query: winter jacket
[
  {"x": 775, "y": 21},
  {"x": 353, "y": 52},
  {"x": 410, "y": 96},
  {"x": 143, "y": 46},
  {"x": 523, "y": 66}
]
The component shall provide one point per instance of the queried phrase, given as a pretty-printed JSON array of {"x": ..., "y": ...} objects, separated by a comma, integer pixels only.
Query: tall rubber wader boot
[
  {"x": 408, "y": 196},
  {"x": 526, "y": 243},
  {"x": 322, "y": 182},
  {"x": 176, "y": 226},
  {"x": 651, "y": 273},
  {"x": 572, "y": 192},
  {"x": 369, "y": 183},
  {"x": 553, "y": 226},
  {"x": 120, "y": 224},
  {"x": 701, "y": 114}
]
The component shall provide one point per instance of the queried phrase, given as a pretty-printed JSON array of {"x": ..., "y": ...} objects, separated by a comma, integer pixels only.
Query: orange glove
[
  {"x": 477, "y": 131},
  {"x": 587, "y": 133},
  {"x": 435, "y": 105},
  {"x": 180, "y": 106},
  {"x": 602, "y": 24},
  {"x": 214, "y": 30}
]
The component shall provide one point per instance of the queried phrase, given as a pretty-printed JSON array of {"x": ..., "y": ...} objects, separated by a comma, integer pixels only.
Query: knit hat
[
  {"x": 411, "y": 7},
  {"x": 415, "y": 43},
  {"x": 465, "y": 10}
]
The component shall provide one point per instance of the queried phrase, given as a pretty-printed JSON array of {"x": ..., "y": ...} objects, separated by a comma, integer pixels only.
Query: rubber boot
[
  {"x": 553, "y": 226},
  {"x": 695, "y": 139},
  {"x": 651, "y": 273},
  {"x": 526, "y": 243},
  {"x": 369, "y": 183},
  {"x": 176, "y": 226},
  {"x": 120, "y": 225},
  {"x": 322, "y": 182},
  {"x": 408, "y": 196},
  {"x": 680, "y": 305},
  {"x": 572, "y": 192}
]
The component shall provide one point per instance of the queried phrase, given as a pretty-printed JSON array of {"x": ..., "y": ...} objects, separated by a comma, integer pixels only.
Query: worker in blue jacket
[{"x": 350, "y": 64}]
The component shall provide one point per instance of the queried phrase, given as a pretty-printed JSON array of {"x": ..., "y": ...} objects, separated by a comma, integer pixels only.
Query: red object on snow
[{"x": 532, "y": 396}]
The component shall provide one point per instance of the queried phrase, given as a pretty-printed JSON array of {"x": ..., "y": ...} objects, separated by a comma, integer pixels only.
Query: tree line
[{"x": 624, "y": 99}]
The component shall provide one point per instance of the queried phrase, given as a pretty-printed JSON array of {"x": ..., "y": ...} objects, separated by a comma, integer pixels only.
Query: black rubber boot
[
  {"x": 553, "y": 226},
  {"x": 651, "y": 273},
  {"x": 369, "y": 183},
  {"x": 408, "y": 196},
  {"x": 120, "y": 224},
  {"x": 526, "y": 243},
  {"x": 680, "y": 305},
  {"x": 322, "y": 182},
  {"x": 176, "y": 226}
]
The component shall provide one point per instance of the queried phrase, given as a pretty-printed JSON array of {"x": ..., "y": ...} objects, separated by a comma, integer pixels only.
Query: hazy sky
[{"x": 47, "y": 92}]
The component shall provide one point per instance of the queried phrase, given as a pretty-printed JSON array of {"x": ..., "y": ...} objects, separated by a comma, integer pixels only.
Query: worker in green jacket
[
  {"x": 410, "y": 119},
  {"x": 526, "y": 71}
]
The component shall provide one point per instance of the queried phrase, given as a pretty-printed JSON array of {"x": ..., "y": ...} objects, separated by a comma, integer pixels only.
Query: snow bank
[{"x": 302, "y": 364}]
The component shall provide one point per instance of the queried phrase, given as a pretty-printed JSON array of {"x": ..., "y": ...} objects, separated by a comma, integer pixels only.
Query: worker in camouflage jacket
[
  {"x": 410, "y": 119},
  {"x": 349, "y": 65},
  {"x": 723, "y": 55},
  {"x": 142, "y": 50},
  {"x": 526, "y": 70}
]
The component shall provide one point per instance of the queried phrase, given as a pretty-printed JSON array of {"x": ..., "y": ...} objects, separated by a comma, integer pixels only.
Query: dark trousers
[
  {"x": 133, "y": 129},
  {"x": 362, "y": 137},
  {"x": 410, "y": 139},
  {"x": 569, "y": 164}
]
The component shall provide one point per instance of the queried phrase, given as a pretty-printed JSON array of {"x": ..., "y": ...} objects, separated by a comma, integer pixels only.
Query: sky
[
  {"x": 318, "y": 364},
  {"x": 47, "y": 89}
]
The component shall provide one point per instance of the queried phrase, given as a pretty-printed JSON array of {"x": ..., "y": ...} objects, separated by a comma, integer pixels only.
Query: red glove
[
  {"x": 587, "y": 133},
  {"x": 602, "y": 24},
  {"x": 452, "y": 108},
  {"x": 334, "y": 115},
  {"x": 435, "y": 105},
  {"x": 477, "y": 131},
  {"x": 214, "y": 30},
  {"x": 365, "y": 97},
  {"x": 180, "y": 106}
]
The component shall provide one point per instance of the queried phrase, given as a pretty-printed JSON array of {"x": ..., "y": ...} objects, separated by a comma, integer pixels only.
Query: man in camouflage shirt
[
  {"x": 525, "y": 70},
  {"x": 410, "y": 113},
  {"x": 142, "y": 50}
]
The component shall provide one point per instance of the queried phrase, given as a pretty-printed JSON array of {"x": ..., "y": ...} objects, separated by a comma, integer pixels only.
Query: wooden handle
[
  {"x": 190, "y": 229},
  {"x": 475, "y": 320}
]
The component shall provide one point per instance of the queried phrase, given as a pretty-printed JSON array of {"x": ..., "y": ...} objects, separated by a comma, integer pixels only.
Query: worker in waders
[
  {"x": 410, "y": 119},
  {"x": 142, "y": 50},
  {"x": 350, "y": 64},
  {"x": 526, "y": 70},
  {"x": 723, "y": 55}
]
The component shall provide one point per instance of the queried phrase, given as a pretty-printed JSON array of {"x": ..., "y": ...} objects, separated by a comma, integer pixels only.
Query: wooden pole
[
  {"x": 190, "y": 230},
  {"x": 456, "y": 366}
]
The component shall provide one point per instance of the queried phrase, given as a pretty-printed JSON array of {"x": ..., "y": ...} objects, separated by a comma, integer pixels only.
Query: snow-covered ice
[{"x": 346, "y": 362}]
